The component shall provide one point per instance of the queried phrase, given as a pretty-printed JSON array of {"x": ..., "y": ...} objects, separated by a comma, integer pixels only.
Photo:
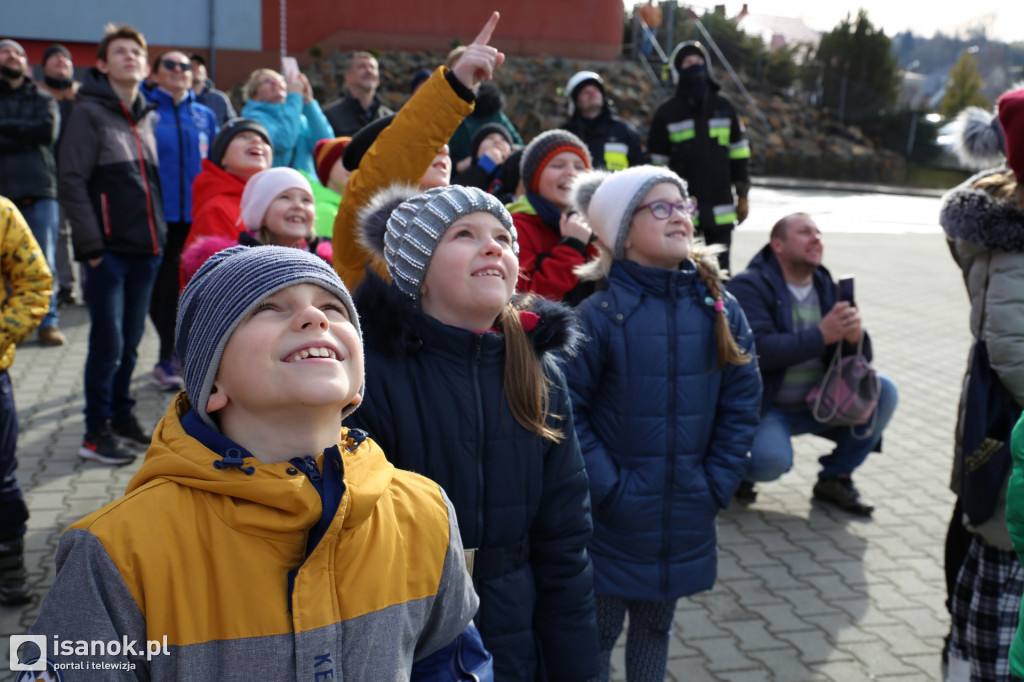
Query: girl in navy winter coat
[
  {"x": 666, "y": 392},
  {"x": 464, "y": 389}
]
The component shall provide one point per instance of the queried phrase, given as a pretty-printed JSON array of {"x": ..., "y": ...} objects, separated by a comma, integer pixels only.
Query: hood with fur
[
  {"x": 978, "y": 217},
  {"x": 391, "y": 321}
]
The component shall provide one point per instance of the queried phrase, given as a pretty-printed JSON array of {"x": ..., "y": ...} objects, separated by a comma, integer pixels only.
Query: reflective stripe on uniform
[
  {"x": 740, "y": 150},
  {"x": 720, "y": 128},
  {"x": 725, "y": 214},
  {"x": 681, "y": 131},
  {"x": 659, "y": 159},
  {"x": 616, "y": 156}
]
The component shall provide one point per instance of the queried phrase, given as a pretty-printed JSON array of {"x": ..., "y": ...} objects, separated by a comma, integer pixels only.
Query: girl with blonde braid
[{"x": 665, "y": 396}]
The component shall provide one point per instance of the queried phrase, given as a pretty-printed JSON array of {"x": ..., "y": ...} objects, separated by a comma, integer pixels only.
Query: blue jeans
[
  {"x": 771, "y": 454},
  {"x": 43, "y": 218},
  {"x": 117, "y": 292}
]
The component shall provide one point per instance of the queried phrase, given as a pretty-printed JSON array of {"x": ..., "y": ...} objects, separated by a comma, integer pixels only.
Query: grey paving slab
[{"x": 805, "y": 592}]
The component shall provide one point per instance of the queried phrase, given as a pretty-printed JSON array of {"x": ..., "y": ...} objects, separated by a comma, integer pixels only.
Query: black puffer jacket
[
  {"x": 29, "y": 122},
  {"x": 434, "y": 402}
]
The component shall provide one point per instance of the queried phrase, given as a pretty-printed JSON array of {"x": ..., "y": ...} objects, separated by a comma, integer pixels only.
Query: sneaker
[
  {"x": 131, "y": 433},
  {"x": 51, "y": 336},
  {"x": 745, "y": 493},
  {"x": 166, "y": 377},
  {"x": 103, "y": 447},
  {"x": 841, "y": 492},
  {"x": 13, "y": 577}
]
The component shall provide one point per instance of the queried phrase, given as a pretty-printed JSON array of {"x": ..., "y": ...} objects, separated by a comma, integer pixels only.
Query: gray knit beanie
[
  {"x": 7, "y": 42},
  {"x": 608, "y": 200},
  {"x": 545, "y": 147},
  {"x": 404, "y": 227},
  {"x": 228, "y": 286}
]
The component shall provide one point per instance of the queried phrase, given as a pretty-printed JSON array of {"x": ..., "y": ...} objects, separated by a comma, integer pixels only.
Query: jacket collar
[
  {"x": 96, "y": 86},
  {"x": 976, "y": 216},
  {"x": 394, "y": 325}
]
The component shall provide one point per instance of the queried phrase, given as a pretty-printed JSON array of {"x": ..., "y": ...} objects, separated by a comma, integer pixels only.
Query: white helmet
[{"x": 578, "y": 80}]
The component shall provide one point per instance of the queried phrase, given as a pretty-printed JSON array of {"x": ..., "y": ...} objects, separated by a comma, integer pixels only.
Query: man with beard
[
  {"x": 29, "y": 122},
  {"x": 59, "y": 81},
  {"x": 613, "y": 142},
  {"x": 698, "y": 134},
  {"x": 799, "y": 318},
  {"x": 361, "y": 105}
]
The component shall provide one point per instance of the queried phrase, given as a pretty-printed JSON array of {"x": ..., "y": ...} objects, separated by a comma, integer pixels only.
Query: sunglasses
[
  {"x": 171, "y": 65},
  {"x": 662, "y": 210}
]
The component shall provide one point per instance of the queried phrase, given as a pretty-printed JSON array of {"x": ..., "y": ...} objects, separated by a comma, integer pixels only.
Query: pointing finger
[{"x": 485, "y": 34}]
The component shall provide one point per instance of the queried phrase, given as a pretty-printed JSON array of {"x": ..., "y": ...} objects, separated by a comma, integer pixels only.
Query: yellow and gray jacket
[
  {"x": 220, "y": 567},
  {"x": 28, "y": 283}
]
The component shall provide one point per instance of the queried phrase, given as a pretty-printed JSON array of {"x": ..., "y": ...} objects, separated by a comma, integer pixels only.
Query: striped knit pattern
[
  {"x": 545, "y": 147},
  {"x": 417, "y": 225},
  {"x": 228, "y": 287}
]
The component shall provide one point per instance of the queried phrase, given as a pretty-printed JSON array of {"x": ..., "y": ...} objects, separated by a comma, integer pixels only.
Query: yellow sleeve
[
  {"x": 28, "y": 281},
  {"x": 401, "y": 154}
]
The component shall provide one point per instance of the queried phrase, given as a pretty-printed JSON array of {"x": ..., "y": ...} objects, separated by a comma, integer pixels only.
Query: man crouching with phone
[{"x": 798, "y": 316}]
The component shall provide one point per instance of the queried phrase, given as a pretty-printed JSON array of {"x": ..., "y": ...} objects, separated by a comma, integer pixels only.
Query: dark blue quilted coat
[
  {"x": 434, "y": 401},
  {"x": 665, "y": 436}
]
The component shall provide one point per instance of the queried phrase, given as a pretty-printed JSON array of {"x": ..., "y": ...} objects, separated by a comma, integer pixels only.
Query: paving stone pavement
[{"x": 804, "y": 592}]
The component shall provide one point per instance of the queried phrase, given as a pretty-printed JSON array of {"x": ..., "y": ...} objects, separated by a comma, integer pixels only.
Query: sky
[{"x": 1004, "y": 20}]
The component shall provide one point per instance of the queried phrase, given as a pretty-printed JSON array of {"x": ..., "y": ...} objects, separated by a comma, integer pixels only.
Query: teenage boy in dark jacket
[{"x": 110, "y": 190}]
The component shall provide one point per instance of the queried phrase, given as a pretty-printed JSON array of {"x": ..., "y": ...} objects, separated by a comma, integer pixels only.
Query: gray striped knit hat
[
  {"x": 405, "y": 227},
  {"x": 229, "y": 286}
]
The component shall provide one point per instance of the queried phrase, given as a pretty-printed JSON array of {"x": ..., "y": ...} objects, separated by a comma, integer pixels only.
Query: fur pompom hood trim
[
  {"x": 390, "y": 320},
  {"x": 978, "y": 217},
  {"x": 373, "y": 217}
]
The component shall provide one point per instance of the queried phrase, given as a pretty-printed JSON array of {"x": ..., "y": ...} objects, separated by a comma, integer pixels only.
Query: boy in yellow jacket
[{"x": 260, "y": 539}]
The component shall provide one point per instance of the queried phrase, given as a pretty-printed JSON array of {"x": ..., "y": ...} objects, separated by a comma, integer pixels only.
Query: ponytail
[
  {"x": 729, "y": 352},
  {"x": 526, "y": 385}
]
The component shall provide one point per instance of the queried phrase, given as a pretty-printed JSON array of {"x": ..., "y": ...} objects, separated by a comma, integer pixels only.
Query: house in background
[{"x": 238, "y": 36}]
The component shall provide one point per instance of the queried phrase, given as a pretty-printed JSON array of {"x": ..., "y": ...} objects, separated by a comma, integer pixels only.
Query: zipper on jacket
[
  {"x": 480, "y": 449},
  {"x": 671, "y": 309},
  {"x": 181, "y": 166},
  {"x": 105, "y": 210},
  {"x": 145, "y": 180}
]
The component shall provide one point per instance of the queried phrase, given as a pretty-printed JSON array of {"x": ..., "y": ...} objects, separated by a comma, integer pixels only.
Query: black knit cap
[
  {"x": 483, "y": 132},
  {"x": 688, "y": 48},
  {"x": 55, "y": 49},
  {"x": 362, "y": 141},
  {"x": 227, "y": 133}
]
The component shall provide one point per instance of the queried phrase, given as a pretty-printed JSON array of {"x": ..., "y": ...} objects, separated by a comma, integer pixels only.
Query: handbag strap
[{"x": 836, "y": 365}]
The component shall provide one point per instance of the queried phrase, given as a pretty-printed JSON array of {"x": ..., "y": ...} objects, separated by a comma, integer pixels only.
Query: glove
[{"x": 742, "y": 209}]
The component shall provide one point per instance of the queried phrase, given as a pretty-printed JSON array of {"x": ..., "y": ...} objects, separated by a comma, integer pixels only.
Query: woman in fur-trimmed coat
[{"x": 983, "y": 219}]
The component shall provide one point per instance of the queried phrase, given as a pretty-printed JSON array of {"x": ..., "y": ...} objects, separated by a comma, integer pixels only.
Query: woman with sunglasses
[
  {"x": 665, "y": 398},
  {"x": 184, "y": 130}
]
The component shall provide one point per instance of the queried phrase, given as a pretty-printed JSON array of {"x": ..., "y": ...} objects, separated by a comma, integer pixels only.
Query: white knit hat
[
  {"x": 608, "y": 200},
  {"x": 262, "y": 189}
]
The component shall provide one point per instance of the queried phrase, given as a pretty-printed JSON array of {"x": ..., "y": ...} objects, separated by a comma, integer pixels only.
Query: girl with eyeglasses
[{"x": 665, "y": 396}]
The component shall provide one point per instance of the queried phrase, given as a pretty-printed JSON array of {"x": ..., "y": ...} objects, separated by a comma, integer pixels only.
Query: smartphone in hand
[
  {"x": 846, "y": 289},
  {"x": 289, "y": 68}
]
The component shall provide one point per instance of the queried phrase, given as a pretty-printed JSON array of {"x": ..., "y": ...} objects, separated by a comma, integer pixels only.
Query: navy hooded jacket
[
  {"x": 436, "y": 406},
  {"x": 761, "y": 290},
  {"x": 664, "y": 434}
]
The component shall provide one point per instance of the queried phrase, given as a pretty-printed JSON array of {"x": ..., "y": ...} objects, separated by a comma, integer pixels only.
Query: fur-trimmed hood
[
  {"x": 978, "y": 217},
  {"x": 392, "y": 323}
]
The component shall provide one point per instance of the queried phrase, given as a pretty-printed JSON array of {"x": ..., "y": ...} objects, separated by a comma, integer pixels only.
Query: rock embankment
[{"x": 788, "y": 138}]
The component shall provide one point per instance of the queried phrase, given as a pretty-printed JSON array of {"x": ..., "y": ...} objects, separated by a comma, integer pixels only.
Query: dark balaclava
[{"x": 693, "y": 80}]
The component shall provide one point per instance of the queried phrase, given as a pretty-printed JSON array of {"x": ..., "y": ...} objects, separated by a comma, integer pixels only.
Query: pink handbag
[{"x": 848, "y": 393}]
